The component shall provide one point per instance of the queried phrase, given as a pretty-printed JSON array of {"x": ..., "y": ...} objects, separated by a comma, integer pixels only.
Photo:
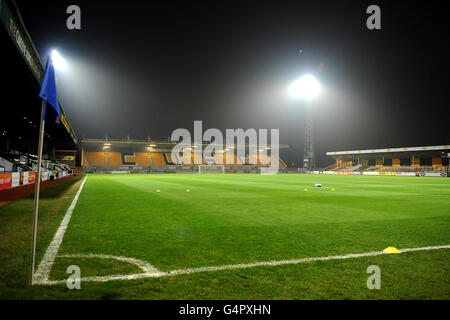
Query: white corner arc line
[
  {"x": 157, "y": 274},
  {"x": 143, "y": 265},
  {"x": 43, "y": 271}
]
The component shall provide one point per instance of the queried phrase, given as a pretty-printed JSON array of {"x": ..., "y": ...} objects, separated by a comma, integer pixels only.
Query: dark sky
[{"x": 146, "y": 68}]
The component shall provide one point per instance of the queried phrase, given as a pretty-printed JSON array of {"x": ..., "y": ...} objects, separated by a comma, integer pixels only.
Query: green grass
[{"x": 268, "y": 218}]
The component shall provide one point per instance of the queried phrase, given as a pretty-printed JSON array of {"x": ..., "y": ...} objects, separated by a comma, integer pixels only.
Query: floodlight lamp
[
  {"x": 58, "y": 61},
  {"x": 306, "y": 87}
]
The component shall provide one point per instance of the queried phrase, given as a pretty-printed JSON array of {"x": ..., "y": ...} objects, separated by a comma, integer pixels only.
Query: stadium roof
[
  {"x": 155, "y": 144},
  {"x": 393, "y": 152}
]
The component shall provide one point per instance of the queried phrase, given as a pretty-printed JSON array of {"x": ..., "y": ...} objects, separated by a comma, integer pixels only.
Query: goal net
[{"x": 211, "y": 168}]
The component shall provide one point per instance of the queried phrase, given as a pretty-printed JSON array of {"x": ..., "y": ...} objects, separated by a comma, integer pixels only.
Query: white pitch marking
[
  {"x": 425, "y": 248},
  {"x": 155, "y": 273},
  {"x": 144, "y": 266},
  {"x": 43, "y": 271},
  {"x": 297, "y": 261}
]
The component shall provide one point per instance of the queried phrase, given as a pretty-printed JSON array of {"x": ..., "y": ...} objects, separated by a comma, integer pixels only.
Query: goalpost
[{"x": 211, "y": 168}]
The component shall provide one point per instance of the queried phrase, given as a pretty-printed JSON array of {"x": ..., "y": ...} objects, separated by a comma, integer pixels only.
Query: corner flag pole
[
  {"x": 49, "y": 97},
  {"x": 37, "y": 189}
]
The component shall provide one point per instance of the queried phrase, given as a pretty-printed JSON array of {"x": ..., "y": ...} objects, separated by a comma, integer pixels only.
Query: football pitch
[{"x": 238, "y": 236}]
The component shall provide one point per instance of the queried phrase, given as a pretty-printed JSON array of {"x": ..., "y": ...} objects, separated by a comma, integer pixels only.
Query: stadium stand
[
  {"x": 426, "y": 160},
  {"x": 10, "y": 163},
  {"x": 94, "y": 159},
  {"x": 231, "y": 159},
  {"x": 115, "y": 159},
  {"x": 219, "y": 158},
  {"x": 203, "y": 160},
  {"x": 142, "y": 159},
  {"x": 158, "y": 160},
  {"x": 146, "y": 156},
  {"x": 168, "y": 158}
]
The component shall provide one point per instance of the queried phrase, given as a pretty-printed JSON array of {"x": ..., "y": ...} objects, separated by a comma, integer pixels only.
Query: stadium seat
[
  {"x": 142, "y": 159},
  {"x": 158, "y": 160},
  {"x": 94, "y": 159},
  {"x": 115, "y": 159}
]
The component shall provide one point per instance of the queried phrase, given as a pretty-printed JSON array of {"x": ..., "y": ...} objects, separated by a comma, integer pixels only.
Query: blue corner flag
[{"x": 48, "y": 89}]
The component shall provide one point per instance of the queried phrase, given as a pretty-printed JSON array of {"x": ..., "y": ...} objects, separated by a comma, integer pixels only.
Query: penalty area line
[
  {"x": 43, "y": 271},
  {"x": 155, "y": 273}
]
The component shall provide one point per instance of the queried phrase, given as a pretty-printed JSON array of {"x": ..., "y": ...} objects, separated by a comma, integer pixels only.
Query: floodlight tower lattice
[
  {"x": 308, "y": 149},
  {"x": 307, "y": 87}
]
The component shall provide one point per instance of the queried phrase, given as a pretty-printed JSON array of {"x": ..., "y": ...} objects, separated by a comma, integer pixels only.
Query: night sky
[{"x": 142, "y": 68}]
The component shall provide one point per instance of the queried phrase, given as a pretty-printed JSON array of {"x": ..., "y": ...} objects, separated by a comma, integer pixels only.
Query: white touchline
[
  {"x": 151, "y": 272},
  {"x": 43, "y": 271}
]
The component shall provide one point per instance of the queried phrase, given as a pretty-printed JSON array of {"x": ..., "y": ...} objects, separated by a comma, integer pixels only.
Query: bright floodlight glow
[
  {"x": 306, "y": 87},
  {"x": 58, "y": 61}
]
